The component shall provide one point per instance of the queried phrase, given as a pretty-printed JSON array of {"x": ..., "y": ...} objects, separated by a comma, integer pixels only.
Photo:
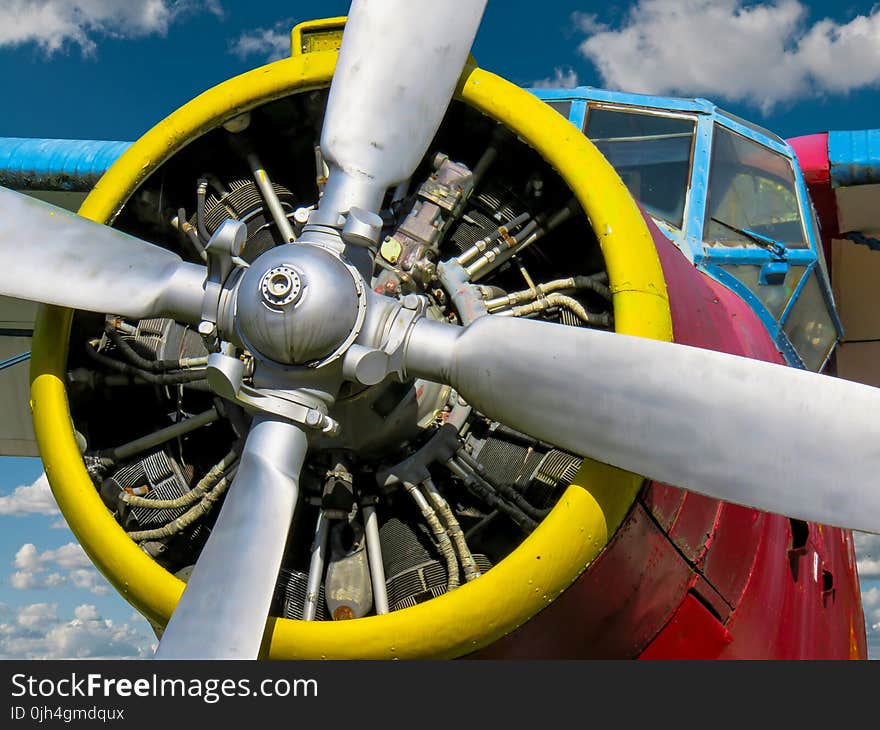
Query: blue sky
[{"x": 110, "y": 69}]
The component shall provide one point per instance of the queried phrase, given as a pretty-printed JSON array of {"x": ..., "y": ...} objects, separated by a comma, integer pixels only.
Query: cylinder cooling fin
[{"x": 431, "y": 567}]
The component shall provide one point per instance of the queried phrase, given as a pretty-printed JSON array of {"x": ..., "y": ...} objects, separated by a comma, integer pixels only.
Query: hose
[
  {"x": 155, "y": 366},
  {"x": 196, "y": 493},
  {"x": 557, "y": 285},
  {"x": 471, "y": 571},
  {"x": 504, "y": 489},
  {"x": 201, "y": 193},
  {"x": 191, "y": 234},
  {"x": 190, "y": 516},
  {"x": 453, "y": 579},
  {"x": 168, "y": 378},
  {"x": 482, "y": 491},
  {"x": 559, "y": 300}
]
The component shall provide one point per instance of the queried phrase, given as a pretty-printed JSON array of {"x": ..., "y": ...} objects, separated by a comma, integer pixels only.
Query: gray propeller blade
[
  {"x": 53, "y": 256},
  {"x": 757, "y": 434},
  {"x": 397, "y": 70},
  {"x": 223, "y": 611}
]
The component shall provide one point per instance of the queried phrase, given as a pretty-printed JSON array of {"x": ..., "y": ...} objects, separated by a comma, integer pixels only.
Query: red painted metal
[
  {"x": 690, "y": 577},
  {"x": 812, "y": 154},
  {"x": 615, "y": 608},
  {"x": 694, "y": 633}
]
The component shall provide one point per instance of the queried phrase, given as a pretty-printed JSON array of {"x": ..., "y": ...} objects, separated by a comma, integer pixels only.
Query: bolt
[{"x": 206, "y": 328}]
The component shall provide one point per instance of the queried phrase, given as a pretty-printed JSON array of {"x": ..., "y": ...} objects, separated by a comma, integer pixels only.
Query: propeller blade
[
  {"x": 762, "y": 435},
  {"x": 53, "y": 256},
  {"x": 397, "y": 70},
  {"x": 224, "y": 608}
]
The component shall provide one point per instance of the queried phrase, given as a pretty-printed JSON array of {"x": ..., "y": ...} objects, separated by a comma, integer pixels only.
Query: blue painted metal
[
  {"x": 773, "y": 273},
  {"x": 753, "y": 132},
  {"x": 757, "y": 256},
  {"x": 578, "y": 113},
  {"x": 746, "y": 294},
  {"x": 794, "y": 297},
  {"x": 10, "y": 361},
  {"x": 788, "y": 352},
  {"x": 55, "y": 164},
  {"x": 663, "y": 103},
  {"x": 854, "y": 157},
  {"x": 697, "y": 197}
]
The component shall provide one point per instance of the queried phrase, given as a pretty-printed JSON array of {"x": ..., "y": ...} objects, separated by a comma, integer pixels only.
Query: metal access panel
[{"x": 16, "y": 429}]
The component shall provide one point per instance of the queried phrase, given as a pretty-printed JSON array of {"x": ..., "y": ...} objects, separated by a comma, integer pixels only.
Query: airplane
[{"x": 378, "y": 355}]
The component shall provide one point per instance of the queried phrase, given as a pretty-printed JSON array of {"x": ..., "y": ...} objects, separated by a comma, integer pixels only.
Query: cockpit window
[
  {"x": 651, "y": 153},
  {"x": 751, "y": 191}
]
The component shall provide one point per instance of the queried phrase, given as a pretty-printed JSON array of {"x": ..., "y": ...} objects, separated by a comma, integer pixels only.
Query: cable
[
  {"x": 505, "y": 490},
  {"x": 169, "y": 378},
  {"x": 482, "y": 491},
  {"x": 136, "y": 359}
]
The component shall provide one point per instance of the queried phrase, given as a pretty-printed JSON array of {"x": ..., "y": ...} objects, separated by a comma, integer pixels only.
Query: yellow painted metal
[
  {"x": 547, "y": 562},
  {"x": 314, "y": 36}
]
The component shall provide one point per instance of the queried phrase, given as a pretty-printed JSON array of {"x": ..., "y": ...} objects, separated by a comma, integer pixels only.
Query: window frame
[
  {"x": 664, "y": 224},
  {"x": 798, "y": 199}
]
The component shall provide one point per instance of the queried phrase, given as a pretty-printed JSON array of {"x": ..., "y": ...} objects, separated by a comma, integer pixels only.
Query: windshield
[
  {"x": 652, "y": 155},
  {"x": 751, "y": 188}
]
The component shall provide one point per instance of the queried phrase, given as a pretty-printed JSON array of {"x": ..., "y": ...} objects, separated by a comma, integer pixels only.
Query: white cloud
[
  {"x": 53, "y": 24},
  {"x": 36, "y": 613},
  {"x": 66, "y": 565},
  {"x": 563, "y": 78},
  {"x": 871, "y": 605},
  {"x": 867, "y": 554},
  {"x": 29, "y": 499},
  {"x": 762, "y": 53},
  {"x": 269, "y": 44},
  {"x": 36, "y": 632}
]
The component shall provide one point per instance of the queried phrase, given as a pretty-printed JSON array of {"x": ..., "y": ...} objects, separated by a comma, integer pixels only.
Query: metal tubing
[
  {"x": 480, "y": 246},
  {"x": 271, "y": 198},
  {"x": 162, "y": 435},
  {"x": 525, "y": 238},
  {"x": 374, "y": 554},
  {"x": 493, "y": 258},
  {"x": 316, "y": 567}
]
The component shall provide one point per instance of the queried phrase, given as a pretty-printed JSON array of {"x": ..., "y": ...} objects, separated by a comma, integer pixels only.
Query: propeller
[
  {"x": 53, "y": 256},
  {"x": 743, "y": 431},
  {"x": 397, "y": 69},
  {"x": 223, "y": 611},
  {"x": 758, "y": 434}
]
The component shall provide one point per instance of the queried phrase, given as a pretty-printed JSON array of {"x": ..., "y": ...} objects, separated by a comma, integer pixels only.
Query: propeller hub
[
  {"x": 299, "y": 304},
  {"x": 281, "y": 286}
]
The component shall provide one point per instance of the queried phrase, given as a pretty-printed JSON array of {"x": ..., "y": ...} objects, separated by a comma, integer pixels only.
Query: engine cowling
[{"x": 200, "y": 154}]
